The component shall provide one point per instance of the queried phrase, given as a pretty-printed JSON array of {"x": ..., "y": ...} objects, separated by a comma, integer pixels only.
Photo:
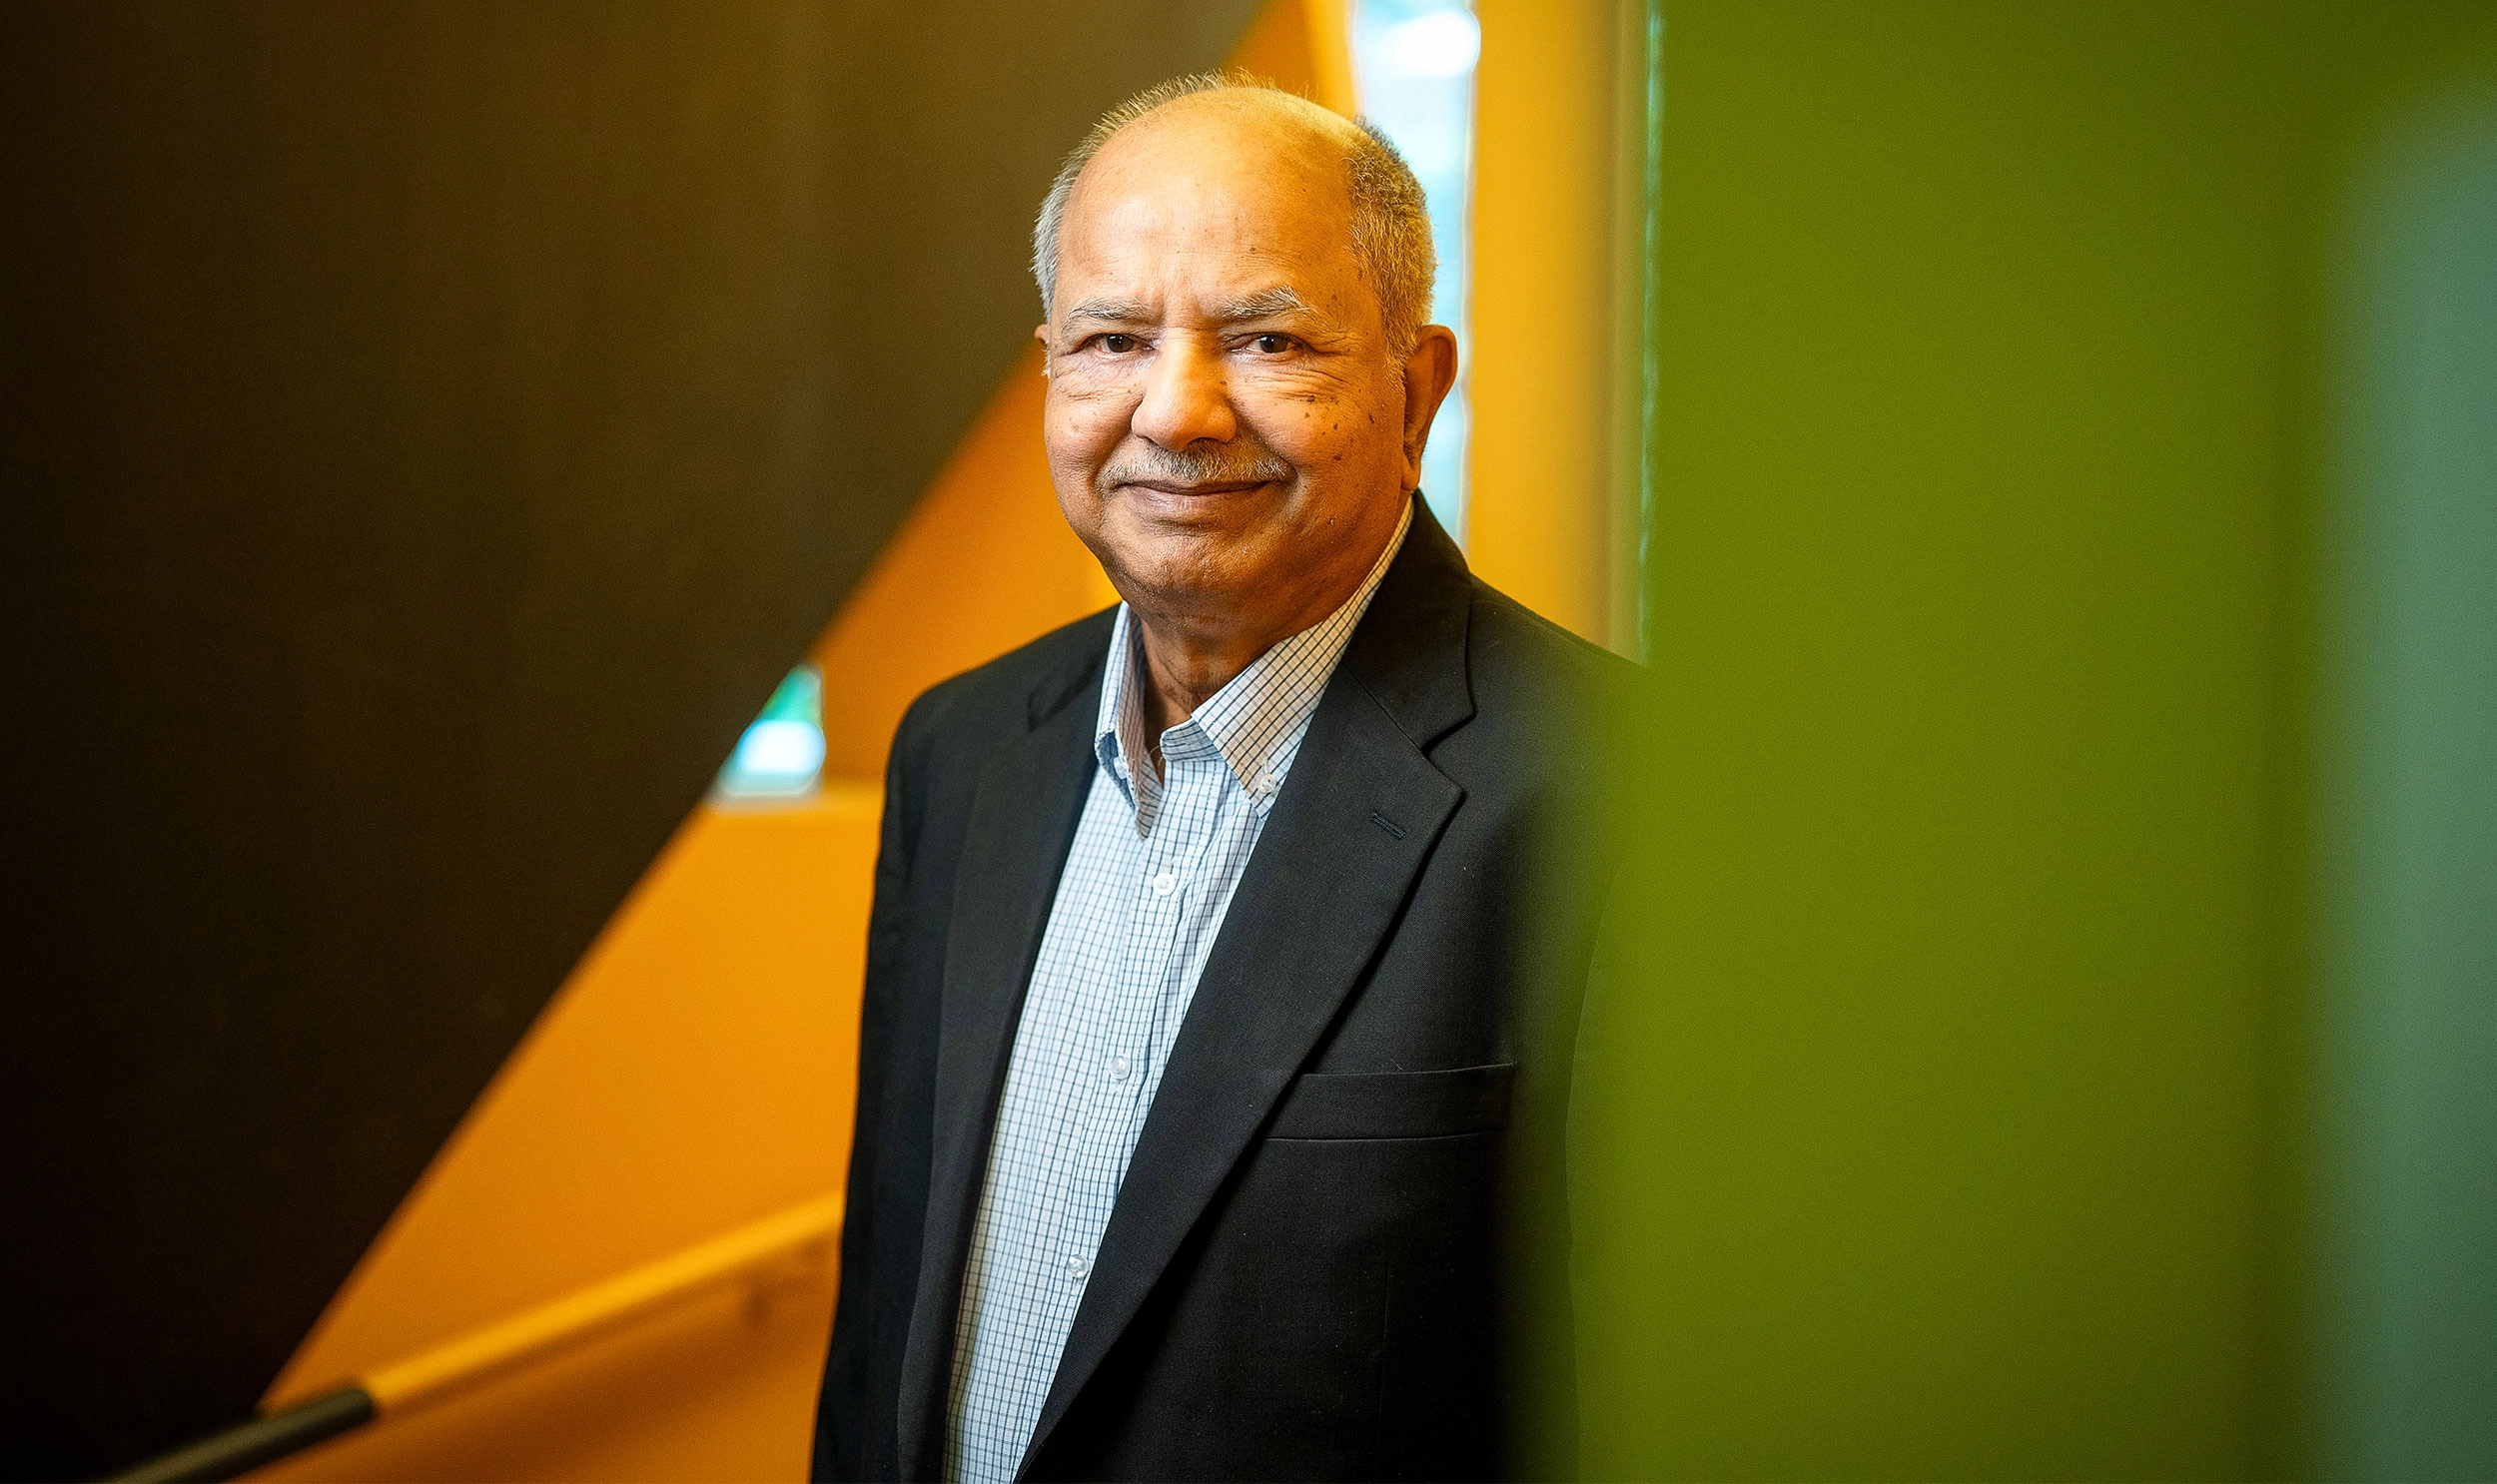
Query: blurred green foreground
[{"x": 2050, "y": 1026}]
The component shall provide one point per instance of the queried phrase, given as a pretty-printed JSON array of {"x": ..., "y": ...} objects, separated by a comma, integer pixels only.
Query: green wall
[{"x": 1947, "y": 1101}]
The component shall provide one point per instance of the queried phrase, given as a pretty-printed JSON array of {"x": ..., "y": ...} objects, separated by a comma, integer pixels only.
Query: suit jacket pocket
[{"x": 1394, "y": 1104}]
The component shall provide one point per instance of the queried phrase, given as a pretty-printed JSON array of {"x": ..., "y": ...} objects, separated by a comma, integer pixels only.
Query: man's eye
[
  {"x": 1118, "y": 345},
  {"x": 1273, "y": 344}
]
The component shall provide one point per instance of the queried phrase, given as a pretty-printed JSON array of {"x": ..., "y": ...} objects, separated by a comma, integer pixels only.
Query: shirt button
[
  {"x": 1078, "y": 1267},
  {"x": 1267, "y": 783},
  {"x": 1119, "y": 1068},
  {"x": 1164, "y": 883}
]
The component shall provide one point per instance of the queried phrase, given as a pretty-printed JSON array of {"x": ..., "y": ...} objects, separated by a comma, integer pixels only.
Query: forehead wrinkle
[{"x": 1194, "y": 186}]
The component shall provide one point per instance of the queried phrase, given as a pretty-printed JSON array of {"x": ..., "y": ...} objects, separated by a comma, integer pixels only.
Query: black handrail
[
  {"x": 808, "y": 1232},
  {"x": 239, "y": 1449}
]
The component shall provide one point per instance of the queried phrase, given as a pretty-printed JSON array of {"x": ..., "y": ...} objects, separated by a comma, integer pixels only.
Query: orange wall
[{"x": 1542, "y": 470}]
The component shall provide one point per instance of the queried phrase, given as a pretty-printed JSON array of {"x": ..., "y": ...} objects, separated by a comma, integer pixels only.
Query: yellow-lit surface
[
  {"x": 1538, "y": 512},
  {"x": 807, "y": 1237},
  {"x": 1306, "y": 45}
]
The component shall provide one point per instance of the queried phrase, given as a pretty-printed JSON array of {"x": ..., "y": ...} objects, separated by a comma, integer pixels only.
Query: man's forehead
[
  {"x": 1248, "y": 122},
  {"x": 1194, "y": 163},
  {"x": 1215, "y": 208}
]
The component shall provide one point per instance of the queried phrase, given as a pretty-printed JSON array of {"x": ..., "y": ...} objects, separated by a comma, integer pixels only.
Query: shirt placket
[
  {"x": 1115, "y": 1062},
  {"x": 1203, "y": 882}
]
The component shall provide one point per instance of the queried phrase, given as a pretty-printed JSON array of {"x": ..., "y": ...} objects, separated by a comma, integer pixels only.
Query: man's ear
[
  {"x": 1430, "y": 374},
  {"x": 1041, "y": 333}
]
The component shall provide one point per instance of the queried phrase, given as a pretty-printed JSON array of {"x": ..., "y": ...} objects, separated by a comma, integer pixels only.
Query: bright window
[
  {"x": 781, "y": 756},
  {"x": 1413, "y": 66}
]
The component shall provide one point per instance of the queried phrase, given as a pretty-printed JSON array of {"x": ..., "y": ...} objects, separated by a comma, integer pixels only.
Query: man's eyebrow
[
  {"x": 1264, "y": 305},
  {"x": 1110, "y": 310}
]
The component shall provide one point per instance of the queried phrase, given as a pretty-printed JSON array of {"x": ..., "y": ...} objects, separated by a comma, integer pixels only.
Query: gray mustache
[{"x": 1225, "y": 466}]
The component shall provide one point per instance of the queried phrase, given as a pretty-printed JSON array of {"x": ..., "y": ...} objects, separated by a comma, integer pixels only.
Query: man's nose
[{"x": 1185, "y": 400}]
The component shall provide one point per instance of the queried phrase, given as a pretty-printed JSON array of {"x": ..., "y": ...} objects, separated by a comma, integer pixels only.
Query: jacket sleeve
[{"x": 840, "y": 1450}]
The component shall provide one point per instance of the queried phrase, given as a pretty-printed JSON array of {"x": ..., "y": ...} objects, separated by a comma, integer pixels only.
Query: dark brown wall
[{"x": 426, "y": 433}]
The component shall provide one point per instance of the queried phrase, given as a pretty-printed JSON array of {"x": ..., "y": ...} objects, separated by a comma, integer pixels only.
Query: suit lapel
[
  {"x": 1023, "y": 821},
  {"x": 1357, "y": 820}
]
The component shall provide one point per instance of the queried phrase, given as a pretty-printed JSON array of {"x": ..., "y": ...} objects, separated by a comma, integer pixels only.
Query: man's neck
[{"x": 1187, "y": 660}]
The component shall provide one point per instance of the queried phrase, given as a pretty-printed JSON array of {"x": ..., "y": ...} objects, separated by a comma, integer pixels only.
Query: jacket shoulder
[{"x": 1515, "y": 652}]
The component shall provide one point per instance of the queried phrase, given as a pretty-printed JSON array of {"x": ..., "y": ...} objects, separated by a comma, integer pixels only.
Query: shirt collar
[{"x": 1253, "y": 723}]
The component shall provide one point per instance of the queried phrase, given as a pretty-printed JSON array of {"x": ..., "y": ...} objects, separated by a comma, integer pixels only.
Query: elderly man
[{"x": 1224, "y": 961}]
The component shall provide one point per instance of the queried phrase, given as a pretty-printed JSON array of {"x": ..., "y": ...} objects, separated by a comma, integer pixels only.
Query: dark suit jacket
[{"x": 1338, "y": 1250}]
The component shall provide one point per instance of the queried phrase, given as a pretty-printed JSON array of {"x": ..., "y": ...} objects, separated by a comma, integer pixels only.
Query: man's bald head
[{"x": 1385, "y": 213}]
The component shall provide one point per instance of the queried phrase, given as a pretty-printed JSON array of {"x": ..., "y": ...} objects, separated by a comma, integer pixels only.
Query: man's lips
[{"x": 1214, "y": 486}]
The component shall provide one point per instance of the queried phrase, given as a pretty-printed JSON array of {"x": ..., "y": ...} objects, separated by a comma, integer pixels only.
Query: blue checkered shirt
[{"x": 1154, "y": 862}]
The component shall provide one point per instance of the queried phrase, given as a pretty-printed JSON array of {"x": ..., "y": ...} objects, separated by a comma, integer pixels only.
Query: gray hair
[{"x": 1391, "y": 223}]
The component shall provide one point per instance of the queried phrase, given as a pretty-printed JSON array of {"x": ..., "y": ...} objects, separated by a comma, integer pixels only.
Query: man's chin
[{"x": 1182, "y": 563}]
